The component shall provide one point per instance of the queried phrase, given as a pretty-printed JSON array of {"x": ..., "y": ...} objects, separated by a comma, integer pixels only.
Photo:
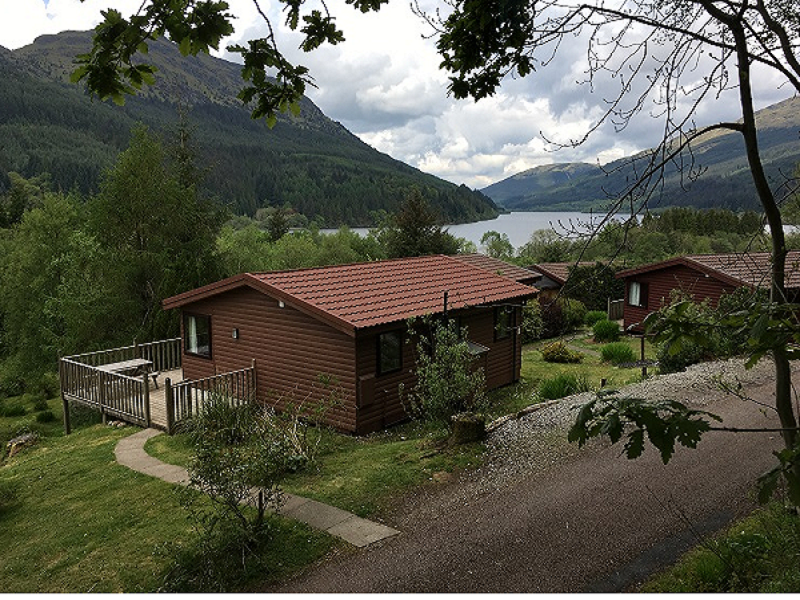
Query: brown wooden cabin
[
  {"x": 501, "y": 267},
  {"x": 347, "y": 323},
  {"x": 553, "y": 276},
  {"x": 703, "y": 277}
]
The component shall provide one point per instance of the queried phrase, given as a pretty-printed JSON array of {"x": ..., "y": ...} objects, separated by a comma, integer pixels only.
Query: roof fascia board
[{"x": 686, "y": 262}]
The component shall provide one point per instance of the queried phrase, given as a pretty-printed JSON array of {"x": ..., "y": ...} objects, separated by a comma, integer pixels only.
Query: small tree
[{"x": 447, "y": 381}]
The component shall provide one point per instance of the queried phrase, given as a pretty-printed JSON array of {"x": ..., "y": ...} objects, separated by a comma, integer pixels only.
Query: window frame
[
  {"x": 503, "y": 331},
  {"x": 642, "y": 290},
  {"x": 186, "y": 339},
  {"x": 379, "y": 352}
]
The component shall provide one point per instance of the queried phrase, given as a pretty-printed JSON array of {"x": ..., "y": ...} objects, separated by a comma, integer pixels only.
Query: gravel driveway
[{"x": 544, "y": 516}]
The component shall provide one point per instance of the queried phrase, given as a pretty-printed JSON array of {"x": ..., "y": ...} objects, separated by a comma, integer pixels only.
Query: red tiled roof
[
  {"x": 367, "y": 294},
  {"x": 746, "y": 268},
  {"x": 500, "y": 267},
  {"x": 558, "y": 272}
]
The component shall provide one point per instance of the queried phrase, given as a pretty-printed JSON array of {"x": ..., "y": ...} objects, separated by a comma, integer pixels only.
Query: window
[
  {"x": 390, "y": 352},
  {"x": 503, "y": 322},
  {"x": 637, "y": 294},
  {"x": 197, "y": 335}
]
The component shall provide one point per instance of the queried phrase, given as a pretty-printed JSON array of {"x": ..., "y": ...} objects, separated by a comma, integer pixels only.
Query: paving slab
[{"x": 355, "y": 530}]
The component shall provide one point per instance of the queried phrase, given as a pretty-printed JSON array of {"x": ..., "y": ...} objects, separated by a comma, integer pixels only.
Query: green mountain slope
[
  {"x": 724, "y": 180},
  {"x": 309, "y": 161}
]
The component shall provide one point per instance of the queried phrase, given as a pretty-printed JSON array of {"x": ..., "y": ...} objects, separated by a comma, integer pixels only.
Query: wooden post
[
  {"x": 644, "y": 366},
  {"x": 102, "y": 395},
  {"x": 146, "y": 389},
  {"x": 254, "y": 392},
  {"x": 170, "y": 406}
]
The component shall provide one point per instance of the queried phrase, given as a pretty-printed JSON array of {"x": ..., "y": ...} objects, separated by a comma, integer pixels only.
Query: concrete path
[{"x": 340, "y": 523}]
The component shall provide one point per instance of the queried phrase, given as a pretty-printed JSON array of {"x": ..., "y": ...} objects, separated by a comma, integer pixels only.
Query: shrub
[
  {"x": 593, "y": 316},
  {"x": 12, "y": 409},
  {"x": 618, "y": 352},
  {"x": 563, "y": 385},
  {"x": 446, "y": 384},
  {"x": 561, "y": 316},
  {"x": 606, "y": 331},
  {"x": 559, "y": 352},
  {"x": 676, "y": 357},
  {"x": 532, "y": 322},
  {"x": 45, "y": 416}
]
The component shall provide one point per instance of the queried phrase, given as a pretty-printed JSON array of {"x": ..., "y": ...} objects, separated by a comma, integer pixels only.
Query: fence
[
  {"x": 113, "y": 394},
  {"x": 84, "y": 381},
  {"x": 616, "y": 309},
  {"x": 186, "y": 398}
]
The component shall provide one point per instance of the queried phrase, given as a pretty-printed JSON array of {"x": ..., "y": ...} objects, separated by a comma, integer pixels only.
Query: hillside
[
  {"x": 308, "y": 161},
  {"x": 724, "y": 182}
]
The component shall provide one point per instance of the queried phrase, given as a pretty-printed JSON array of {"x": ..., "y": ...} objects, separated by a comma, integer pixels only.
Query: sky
[{"x": 384, "y": 85}]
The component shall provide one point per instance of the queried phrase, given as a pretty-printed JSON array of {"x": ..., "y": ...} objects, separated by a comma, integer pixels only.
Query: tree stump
[{"x": 467, "y": 427}]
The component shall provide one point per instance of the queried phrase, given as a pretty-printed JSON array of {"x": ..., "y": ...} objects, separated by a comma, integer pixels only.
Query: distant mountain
[
  {"x": 308, "y": 161},
  {"x": 724, "y": 180}
]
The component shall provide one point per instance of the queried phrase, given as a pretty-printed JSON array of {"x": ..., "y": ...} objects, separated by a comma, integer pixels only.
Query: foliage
[
  {"x": 497, "y": 245},
  {"x": 665, "y": 422},
  {"x": 545, "y": 246},
  {"x": 559, "y": 352},
  {"x": 593, "y": 285},
  {"x": 158, "y": 230},
  {"x": 532, "y": 322},
  {"x": 447, "y": 382},
  {"x": 606, "y": 331},
  {"x": 561, "y": 315},
  {"x": 593, "y": 316},
  {"x": 562, "y": 386},
  {"x": 755, "y": 555},
  {"x": 415, "y": 230},
  {"x": 618, "y": 352}
]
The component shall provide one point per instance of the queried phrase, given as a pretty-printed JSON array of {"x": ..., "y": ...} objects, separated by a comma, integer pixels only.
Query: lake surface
[{"x": 518, "y": 226}]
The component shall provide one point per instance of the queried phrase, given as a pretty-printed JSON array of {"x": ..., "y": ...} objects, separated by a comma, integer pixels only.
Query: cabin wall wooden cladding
[
  {"x": 660, "y": 285},
  {"x": 291, "y": 350},
  {"x": 379, "y": 402}
]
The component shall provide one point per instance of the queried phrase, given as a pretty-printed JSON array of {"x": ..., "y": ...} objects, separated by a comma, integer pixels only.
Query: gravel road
[{"x": 544, "y": 516}]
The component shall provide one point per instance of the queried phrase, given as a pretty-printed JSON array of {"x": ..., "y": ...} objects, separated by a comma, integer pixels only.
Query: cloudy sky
[{"x": 384, "y": 85}]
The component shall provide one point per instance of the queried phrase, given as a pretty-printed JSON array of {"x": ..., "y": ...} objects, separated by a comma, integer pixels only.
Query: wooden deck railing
[
  {"x": 114, "y": 394},
  {"x": 164, "y": 354},
  {"x": 186, "y": 398}
]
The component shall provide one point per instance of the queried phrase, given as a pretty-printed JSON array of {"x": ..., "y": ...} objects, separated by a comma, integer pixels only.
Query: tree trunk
[{"x": 783, "y": 373}]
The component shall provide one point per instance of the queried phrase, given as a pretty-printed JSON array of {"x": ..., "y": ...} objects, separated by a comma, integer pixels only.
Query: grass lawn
[
  {"x": 359, "y": 474},
  {"x": 78, "y": 522},
  {"x": 756, "y": 555}
]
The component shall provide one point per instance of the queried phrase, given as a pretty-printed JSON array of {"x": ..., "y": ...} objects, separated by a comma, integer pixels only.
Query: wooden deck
[
  {"x": 121, "y": 384},
  {"x": 158, "y": 398}
]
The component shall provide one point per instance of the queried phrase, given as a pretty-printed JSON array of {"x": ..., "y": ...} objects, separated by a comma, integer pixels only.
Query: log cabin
[
  {"x": 701, "y": 277},
  {"x": 348, "y": 324}
]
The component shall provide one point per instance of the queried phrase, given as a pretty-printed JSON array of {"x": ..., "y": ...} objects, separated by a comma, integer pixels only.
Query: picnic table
[{"x": 134, "y": 366}]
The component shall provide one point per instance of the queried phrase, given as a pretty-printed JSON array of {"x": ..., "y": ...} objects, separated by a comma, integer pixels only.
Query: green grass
[
  {"x": 359, "y": 474},
  {"x": 78, "y": 522},
  {"x": 760, "y": 554}
]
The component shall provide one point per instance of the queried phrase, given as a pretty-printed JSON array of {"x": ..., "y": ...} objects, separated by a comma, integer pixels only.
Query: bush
[
  {"x": 446, "y": 384},
  {"x": 593, "y": 316},
  {"x": 563, "y": 385},
  {"x": 618, "y": 352},
  {"x": 45, "y": 416},
  {"x": 12, "y": 409},
  {"x": 561, "y": 316},
  {"x": 606, "y": 331},
  {"x": 559, "y": 352},
  {"x": 676, "y": 357},
  {"x": 532, "y": 322}
]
